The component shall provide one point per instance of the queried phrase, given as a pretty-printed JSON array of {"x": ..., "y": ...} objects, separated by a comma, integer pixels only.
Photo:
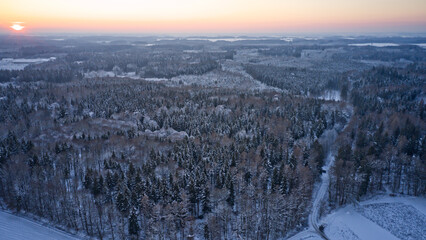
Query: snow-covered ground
[
  {"x": 382, "y": 217},
  {"x": 222, "y": 78},
  {"x": 17, "y": 228},
  {"x": 229, "y": 39},
  {"x": 423, "y": 45},
  {"x": 373, "y": 44},
  {"x": 328, "y": 95},
  {"x": 21, "y": 63},
  {"x": 331, "y": 95}
]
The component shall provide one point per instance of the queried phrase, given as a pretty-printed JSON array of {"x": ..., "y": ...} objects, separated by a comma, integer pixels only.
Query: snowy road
[
  {"x": 382, "y": 217},
  {"x": 325, "y": 182},
  {"x": 313, "y": 232},
  {"x": 17, "y": 228}
]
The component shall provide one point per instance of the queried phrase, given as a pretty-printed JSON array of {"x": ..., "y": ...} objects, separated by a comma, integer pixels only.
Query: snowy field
[
  {"x": 382, "y": 217},
  {"x": 17, "y": 228},
  {"x": 374, "y": 44},
  {"x": 423, "y": 45},
  {"x": 21, "y": 63}
]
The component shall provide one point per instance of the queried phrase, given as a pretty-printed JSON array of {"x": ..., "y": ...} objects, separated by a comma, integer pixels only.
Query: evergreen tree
[
  {"x": 176, "y": 193},
  {"x": 206, "y": 232},
  {"x": 122, "y": 203},
  {"x": 192, "y": 198},
  {"x": 275, "y": 180},
  {"x": 133, "y": 225},
  {"x": 206, "y": 200},
  {"x": 231, "y": 197},
  {"x": 88, "y": 179},
  {"x": 111, "y": 181},
  {"x": 319, "y": 155},
  {"x": 98, "y": 186}
]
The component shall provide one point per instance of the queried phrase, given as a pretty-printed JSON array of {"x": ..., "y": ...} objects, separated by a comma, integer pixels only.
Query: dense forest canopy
[{"x": 219, "y": 140}]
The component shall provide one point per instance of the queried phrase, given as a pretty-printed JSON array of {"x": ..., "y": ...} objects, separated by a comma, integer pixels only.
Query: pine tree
[
  {"x": 275, "y": 180},
  {"x": 133, "y": 225},
  {"x": 28, "y": 146},
  {"x": 98, "y": 185},
  {"x": 176, "y": 193},
  {"x": 319, "y": 155},
  {"x": 122, "y": 203},
  {"x": 206, "y": 200},
  {"x": 111, "y": 182},
  {"x": 283, "y": 185},
  {"x": 192, "y": 198},
  {"x": 233, "y": 162},
  {"x": 231, "y": 197},
  {"x": 88, "y": 179},
  {"x": 57, "y": 148},
  {"x": 94, "y": 188},
  {"x": 206, "y": 232}
]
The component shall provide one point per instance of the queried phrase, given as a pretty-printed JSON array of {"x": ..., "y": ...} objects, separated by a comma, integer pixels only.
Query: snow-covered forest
[{"x": 143, "y": 138}]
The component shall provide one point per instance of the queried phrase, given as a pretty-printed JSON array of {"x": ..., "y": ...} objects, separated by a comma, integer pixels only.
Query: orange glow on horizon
[
  {"x": 17, "y": 26},
  {"x": 214, "y": 16}
]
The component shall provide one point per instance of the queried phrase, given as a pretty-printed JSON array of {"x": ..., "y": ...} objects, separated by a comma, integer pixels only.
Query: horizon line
[{"x": 223, "y": 34}]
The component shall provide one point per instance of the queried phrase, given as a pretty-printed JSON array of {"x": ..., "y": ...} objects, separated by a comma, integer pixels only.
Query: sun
[{"x": 17, "y": 26}]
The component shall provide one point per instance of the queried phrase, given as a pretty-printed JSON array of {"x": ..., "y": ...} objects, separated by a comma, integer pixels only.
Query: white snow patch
[
  {"x": 287, "y": 39},
  {"x": 422, "y": 45},
  {"x": 330, "y": 95},
  {"x": 221, "y": 109},
  {"x": 165, "y": 39},
  {"x": 155, "y": 79},
  {"x": 21, "y": 63},
  {"x": 100, "y": 73},
  {"x": 169, "y": 133},
  {"x": 403, "y": 221},
  {"x": 348, "y": 222},
  {"x": 103, "y": 41},
  {"x": 374, "y": 44},
  {"x": 17, "y": 228},
  {"x": 217, "y": 39},
  {"x": 192, "y": 51},
  {"x": 230, "y": 39},
  {"x": 382, "y": 217}
]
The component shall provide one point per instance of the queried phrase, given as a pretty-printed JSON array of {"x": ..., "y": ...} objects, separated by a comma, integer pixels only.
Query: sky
[{"x": 214, "y": 16}]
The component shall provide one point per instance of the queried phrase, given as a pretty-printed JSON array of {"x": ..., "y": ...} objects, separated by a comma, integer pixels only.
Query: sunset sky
[{"x": 213, "y": 16}]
